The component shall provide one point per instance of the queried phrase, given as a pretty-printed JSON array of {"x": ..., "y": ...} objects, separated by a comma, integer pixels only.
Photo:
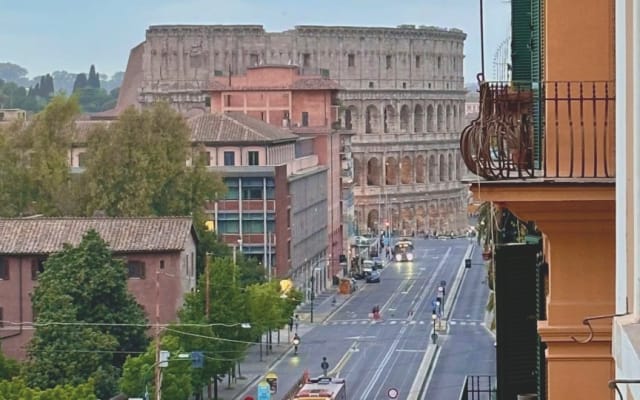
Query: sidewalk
[{"x": 253, "y": 368}]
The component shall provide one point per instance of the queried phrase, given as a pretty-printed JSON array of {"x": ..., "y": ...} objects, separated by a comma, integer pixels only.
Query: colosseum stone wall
[{"x": 404, "y": 100}]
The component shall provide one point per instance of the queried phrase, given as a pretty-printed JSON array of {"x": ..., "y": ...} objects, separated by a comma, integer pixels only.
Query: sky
[{"x": 44, "y": 35}]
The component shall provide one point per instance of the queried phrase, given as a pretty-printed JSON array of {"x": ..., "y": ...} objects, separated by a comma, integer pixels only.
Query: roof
[
  {"x": 315, "y": 84},
  {"x": 235, "y": 127},
  {"x": 48, "y": 235}
]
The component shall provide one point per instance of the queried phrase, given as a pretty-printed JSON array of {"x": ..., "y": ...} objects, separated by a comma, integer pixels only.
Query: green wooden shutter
[
  {"x": 521, "y": 40},
  {"x": 537, "y": 78}
]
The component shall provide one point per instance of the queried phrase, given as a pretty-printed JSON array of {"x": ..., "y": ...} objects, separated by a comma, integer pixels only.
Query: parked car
[
  {"x": 374, "y": 277},
  {"x": 377, "y": 262},
  {"x": 368, "y": 267}
]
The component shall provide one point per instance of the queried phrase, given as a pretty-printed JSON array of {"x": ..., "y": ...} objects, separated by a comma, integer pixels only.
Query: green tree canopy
[
  {"x": 17, "y": 389},
  {"x": 138, "y": 166},
  {"x": 84, "y": 288}
]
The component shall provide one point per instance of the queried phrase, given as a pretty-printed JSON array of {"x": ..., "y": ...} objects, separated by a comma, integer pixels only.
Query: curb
[
  {"x": 423, "y": 371},
  {"x": 457, "y": 282}
]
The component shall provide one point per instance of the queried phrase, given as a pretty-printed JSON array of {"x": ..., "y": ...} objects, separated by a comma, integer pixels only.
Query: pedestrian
[{"x": 297, "y": 321}]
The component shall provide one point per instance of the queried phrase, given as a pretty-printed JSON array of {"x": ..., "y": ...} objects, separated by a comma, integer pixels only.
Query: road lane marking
[
  {"x": 382, "y": 365},
  {"x": 343, "y": 361},
  {"x": 411, "y": 350}
]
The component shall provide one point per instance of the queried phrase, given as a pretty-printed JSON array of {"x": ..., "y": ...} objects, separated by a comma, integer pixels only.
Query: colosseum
[{"x": 403, "y": 101}]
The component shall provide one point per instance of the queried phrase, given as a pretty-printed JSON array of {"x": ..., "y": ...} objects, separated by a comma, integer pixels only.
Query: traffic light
[{"x": 197, "y": 359}]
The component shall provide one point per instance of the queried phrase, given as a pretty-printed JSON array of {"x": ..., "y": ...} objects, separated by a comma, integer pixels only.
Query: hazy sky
[{"x": 47, "y": 35}]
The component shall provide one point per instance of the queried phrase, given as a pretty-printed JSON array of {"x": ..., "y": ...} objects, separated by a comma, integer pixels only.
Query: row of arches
[
  {"x": 407, "y": 170},
  {"x": 436, "y": 216},
  {"x": 440, "y": 119}
]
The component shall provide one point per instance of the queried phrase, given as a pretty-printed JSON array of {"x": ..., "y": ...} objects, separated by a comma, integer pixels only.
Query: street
[{"x": 375, "y": 356}]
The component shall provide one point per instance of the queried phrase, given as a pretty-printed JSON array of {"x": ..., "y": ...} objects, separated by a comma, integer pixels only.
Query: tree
[
  {"x": 85, "y": 287},
  {"x": 13, "y": 73},
  {"x": 8, "y": 368},
  {"x": 225, "y": 341},
  {"x": 94, "y": 79},
  {"x": 80, "y": 82},
  {"x": 138, "y": 166},
  {"x": 17, "y": 389},
  {"x": 138, "y": 372}
]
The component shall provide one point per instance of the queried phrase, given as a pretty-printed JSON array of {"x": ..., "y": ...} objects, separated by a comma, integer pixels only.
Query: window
[
  {"x": 254, "y": 158},
  {"x": 161, "y": 264},
  {"x": 370, "y": 85},
  {"x": 351, "y": 60},
  {"x": 388, "y": 62},
  {"x": 439, "y": 62},
  {"x": 82, "y": 159},
  {"x": 306, "y": 60},
  {"x": 232, "y": 192},
  {"x": 135, "y": 270},
  {"x": 207, "y": 101},
  {"x": 417, "y": 61},
  {"x": 251, "y": 193},
  {"x": 404, "y": 85},
  {"x": 37, "y": 267},
  {"x": 253, "y": 59},
  {"x": 229, "y": 158},
  {"x": 305, "y": 118},
  {"x": 4, "y": 268}
]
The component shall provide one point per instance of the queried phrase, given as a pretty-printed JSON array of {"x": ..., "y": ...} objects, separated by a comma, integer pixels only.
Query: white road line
[{"x": 374, "y": 379}]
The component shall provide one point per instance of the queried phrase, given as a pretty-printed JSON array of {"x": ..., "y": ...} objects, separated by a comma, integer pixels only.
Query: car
[
  {"x": 377, "y": 262},
  {"x": 374, "y": 277},
  {"x": 368, "y": 267}
]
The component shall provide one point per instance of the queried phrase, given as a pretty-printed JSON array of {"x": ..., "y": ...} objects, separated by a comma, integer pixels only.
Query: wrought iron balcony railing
[{"x": 549, "y": 130}]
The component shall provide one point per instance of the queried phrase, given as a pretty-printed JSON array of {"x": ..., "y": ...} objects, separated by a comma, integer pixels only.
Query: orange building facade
[
  {"x": 545, "y": 145},
  {"x": 306, "y": 104}
]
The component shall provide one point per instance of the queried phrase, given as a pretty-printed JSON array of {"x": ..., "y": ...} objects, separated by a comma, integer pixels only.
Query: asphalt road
[
  {"x": 375, "y": 356},
  {"x": 467, "y": 349}
]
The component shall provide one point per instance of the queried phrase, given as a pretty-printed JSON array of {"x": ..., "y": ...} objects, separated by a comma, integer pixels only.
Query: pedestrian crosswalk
[{"x": 399, "y": 322}]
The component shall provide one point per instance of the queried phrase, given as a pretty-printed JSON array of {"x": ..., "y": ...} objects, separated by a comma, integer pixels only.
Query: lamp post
[
  {"x": 235, "y": 264},
  {"x": 434, "y": 335},
  {"x": 313, "y": 278}
]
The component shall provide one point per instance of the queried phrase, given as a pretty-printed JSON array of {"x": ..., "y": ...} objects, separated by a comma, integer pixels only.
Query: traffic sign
[
  {"x": 264, "y": 392},
  {"x": 392, "y": 393}
]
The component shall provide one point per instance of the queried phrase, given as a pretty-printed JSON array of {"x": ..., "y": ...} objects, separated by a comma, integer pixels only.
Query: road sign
[
  {"x": 443, "y": 283},
  {"x": 264, "y": 391},
  {"x": 392, "y": 393}
]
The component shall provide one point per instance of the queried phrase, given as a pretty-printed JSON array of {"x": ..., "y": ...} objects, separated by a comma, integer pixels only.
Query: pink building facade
[{"x": 305, "y": 104}]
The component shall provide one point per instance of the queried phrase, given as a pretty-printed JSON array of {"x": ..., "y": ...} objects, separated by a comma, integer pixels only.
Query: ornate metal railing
[{"x": 549, "y": 130}]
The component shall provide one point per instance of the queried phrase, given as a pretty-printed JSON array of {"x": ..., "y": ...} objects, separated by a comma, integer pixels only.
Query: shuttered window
[
  {"x": 4, "y": 268},
  {"x": 135, "y": 270}
]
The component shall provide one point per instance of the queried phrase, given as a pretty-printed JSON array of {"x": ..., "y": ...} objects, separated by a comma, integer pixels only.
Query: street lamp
[
  {"x": 434, "y": 335},
  {"x": 313, "y": 278}
]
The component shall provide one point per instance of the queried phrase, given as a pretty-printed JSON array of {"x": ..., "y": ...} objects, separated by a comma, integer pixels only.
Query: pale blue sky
[{"x": 48, "y": 35}]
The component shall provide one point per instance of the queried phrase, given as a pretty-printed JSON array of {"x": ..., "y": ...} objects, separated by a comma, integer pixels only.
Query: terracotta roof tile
[
  {"x": 234, "y": 128},
  {"x": 47, "y": 235}
]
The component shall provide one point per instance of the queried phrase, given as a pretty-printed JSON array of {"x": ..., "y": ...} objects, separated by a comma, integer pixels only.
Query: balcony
[{"x": 544, "y": 131}]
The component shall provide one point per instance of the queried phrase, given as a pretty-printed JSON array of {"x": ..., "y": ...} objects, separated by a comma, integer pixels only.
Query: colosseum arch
[
  {"x": 420, "y": 169},
  {"x": 372, "y": 119},
  {"x": 449, "y": 119},
  {"x": 373, "y": 219},
  {"x": 357, "y": 170},
  {"x": 433, "y": 166},
  {"x": 432, "y": 215},
  {"x": 451, "y": 167},
  {"x": 406, "y": 215},
  {"x": 430, "y": 119},
  {"x": 389, "y": 118},
  {"x": 374, "y": 176},
  {"x": 440, "y": 118},
  {"x": 351, "y": 118},
  {"x": 443, "y": 168},
  {"x": 404, "y": 118},
  {"x": 420, "y": 219},
  {"x": 406, "y": 171},
  {"x": 391, "y": 171},
  {"x": 418, "y": 119}
]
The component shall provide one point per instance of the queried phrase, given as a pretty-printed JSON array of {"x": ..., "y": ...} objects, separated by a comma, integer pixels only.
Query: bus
[
  {"x": 403, "y": 250},
  {"x": 323, "y": 388}
]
